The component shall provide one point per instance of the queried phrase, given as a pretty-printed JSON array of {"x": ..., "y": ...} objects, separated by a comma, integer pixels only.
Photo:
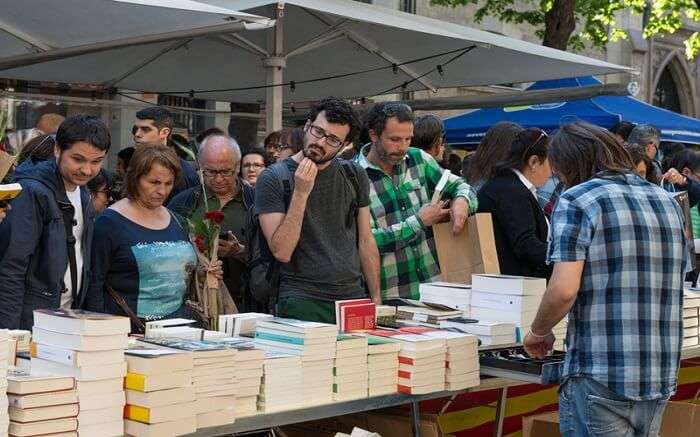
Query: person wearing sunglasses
[
  {"x": 402, "y": 185},
  {"x": 320, "y": 233},
  {"x": 519, "y": 224}
]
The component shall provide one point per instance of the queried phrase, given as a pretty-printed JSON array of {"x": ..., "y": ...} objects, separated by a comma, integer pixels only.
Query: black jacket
[
  {"x": 519, "y": 225},
  {"x": 34, "y": 254}
]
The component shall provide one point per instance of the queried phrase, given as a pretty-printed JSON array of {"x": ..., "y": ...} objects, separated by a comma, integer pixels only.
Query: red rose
[
  {"x": 199, "y": 242},
  {"x": 216, "y": 216}
]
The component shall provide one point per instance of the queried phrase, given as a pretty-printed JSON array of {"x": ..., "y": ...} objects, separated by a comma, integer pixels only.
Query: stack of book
[
  {"x": 213, "y": 378},
  {"x": 160, "y": 398},
  {"x": 4, "y": 364},
  {"x": 249, "y": 371},
  {"x": 449, "y": 294},
  {"x": 425, "y": 315},
  {"x": 504, "y": 298},
  {"x": 41, "y": 404},
  {"x": 244, "y": 324},
  {"x": 281, "y": 388},
  {"x": 489, "y": 333},
  {"x": 90, "y": 348},
  {"x": 421, "y": 361},
  {"x": 462, "y": 359},
  {"x": 691, "y": 308},
  {"x": 382, "y": 366},
  {"x": 355, "y": 314},
  {"x": 314, "y": 343},
  {"x": 350, "y": 379}
]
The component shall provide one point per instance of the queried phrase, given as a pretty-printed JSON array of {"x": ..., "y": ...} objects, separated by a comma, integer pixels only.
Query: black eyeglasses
[
  {"x": 331, "y": 139},
  {"x": 215, "y": 173}
]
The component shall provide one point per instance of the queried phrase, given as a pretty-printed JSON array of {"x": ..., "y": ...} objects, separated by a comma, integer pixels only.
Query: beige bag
[{"x": 471, "y": 251}]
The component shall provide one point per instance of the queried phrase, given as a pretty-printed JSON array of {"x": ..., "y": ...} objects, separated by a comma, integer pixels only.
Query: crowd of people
[{"x": 314, "y": 216}]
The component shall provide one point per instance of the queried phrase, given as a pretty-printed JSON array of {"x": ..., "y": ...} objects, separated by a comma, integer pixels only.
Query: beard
[{"x": 316, "y": 153}]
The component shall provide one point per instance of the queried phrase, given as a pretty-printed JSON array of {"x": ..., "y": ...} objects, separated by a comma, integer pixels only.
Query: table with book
[{"x": 82, "y": 374}]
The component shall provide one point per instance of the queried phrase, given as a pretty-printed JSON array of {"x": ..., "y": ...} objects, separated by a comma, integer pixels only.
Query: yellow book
[
  {"x": 139, "y": 414},
  {"x": 167, "y": 413},
  {"x": 148, "y": 383}
]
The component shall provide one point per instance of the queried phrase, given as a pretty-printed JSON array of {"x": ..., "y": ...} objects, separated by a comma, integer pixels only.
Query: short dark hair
[
  {"x": 103, "y": 179},
  {"x": 126, "y": 154},
  {"x": 671, "y": 148},
  {"x": 684, "y": 159},
  {"x": 84, "y": 128},
  {"x": 376, "y": 118},
  {"x": 580, "y": 150},
  {"x": 623, "y": 129},
  {"x": 292, "y": 137},
  {"x": 337, "y": 111},
  {"x": 161, "y": 117},
  {"x": 141, "y": 163},
  {"x": 272, "y": 138},
  {"x": 253, "y": 151},
  {"x": 532, "y": 141},
  {"x": 427, "y": 130},
  {"x": 492, "y": 149}
]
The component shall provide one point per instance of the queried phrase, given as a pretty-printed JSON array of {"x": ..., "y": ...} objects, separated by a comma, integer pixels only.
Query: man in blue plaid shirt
[{"x": 619, "y": 253}]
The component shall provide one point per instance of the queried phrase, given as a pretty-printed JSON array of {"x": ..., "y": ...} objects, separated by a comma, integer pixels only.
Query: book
[
  {"x": 103, "y": 429},
  {"x": 79, "y": 322},
  {"x": 490, "y": 314},
  {"x": 203, "y": 348},
  {"x": 149, "y": 383},
  {"x": 448, "y": 294},
  {"x": 508, "y": 284},
  {"x": 21, "y": 382},
  {"x": 236, "y": 325},
  {"x": 341, "y": 303},
  {"x": 149, "y": 362},
  {"x": 73, "y": 357},
  {"x": 24, "y": 415},
  {"x": 44, "y": 427},
  {"x": 510, "y": 303},
  {"x": 310, "y": 329},
  {"x": 165, "y": 413},
  {"x": 216, "y": 418},
  {"x": 9, "y": 191},
  {"x": 358, "y": 317},
  {"x": 83, "y": 373},
  {"x": 98, "y": 401},
  {"x": 80, "y": 342},
  {"x": 477, "y": 327},
  {"x": 43, "y": 399},
  {"x": 421, "y": 389},
  {"x": 101, "y": 415},
  {"x": 100, "y": 386}
]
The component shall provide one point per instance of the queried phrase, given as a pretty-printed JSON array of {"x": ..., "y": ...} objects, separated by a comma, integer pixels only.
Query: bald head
[
  {"x": 219, "y": 156},
  {"x": 49, "y": 123}
]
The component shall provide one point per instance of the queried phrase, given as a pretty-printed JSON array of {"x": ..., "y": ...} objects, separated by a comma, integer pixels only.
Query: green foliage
[
  {"x": 4, "y": 119},
  {"x": 596, "y": 20}
]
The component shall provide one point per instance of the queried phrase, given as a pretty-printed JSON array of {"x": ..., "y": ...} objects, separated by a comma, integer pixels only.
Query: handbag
[{"x": 121, "y": 303}]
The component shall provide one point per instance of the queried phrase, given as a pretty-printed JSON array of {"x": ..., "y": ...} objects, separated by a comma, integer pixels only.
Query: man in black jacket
[{"x": 46, "y": 238}]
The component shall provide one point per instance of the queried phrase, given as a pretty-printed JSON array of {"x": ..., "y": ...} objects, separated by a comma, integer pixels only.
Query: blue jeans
[{"x": 587, "y": 408}]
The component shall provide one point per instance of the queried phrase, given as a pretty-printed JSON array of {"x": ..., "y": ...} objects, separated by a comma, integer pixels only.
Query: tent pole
[{"x": 274, "y": 66}]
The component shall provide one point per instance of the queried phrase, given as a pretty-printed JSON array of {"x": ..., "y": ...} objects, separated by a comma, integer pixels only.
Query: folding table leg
[
  {"x": 500, "y": 412},
  {"x": 415, "y": 418}
]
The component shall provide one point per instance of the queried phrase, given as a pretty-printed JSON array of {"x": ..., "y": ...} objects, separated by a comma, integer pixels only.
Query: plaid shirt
[
  {"x": 625, "y": 328},
  {"x": 406, "y": 246}
]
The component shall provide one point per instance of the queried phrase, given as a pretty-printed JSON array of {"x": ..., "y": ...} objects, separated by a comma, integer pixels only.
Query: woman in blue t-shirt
[{"x": 142, "y": 258}]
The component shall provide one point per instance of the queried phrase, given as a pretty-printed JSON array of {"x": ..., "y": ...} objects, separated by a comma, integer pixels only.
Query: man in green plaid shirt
[{"x": 402, "y": 182}]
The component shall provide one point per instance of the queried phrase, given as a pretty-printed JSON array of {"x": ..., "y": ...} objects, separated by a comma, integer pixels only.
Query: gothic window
[{"x": 666, "y": 93}]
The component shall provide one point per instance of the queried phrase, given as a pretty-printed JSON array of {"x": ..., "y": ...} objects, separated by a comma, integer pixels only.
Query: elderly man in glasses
[
  {"x": 314, "y": 213},
  {"x": 402, "y": 184},
  {"x": 219, "y": 157}
]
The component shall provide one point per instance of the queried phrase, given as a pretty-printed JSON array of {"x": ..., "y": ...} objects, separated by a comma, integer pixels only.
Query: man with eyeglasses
[
  {"x": 320, "y": 231},
  {"x": 154, "y": 125},
  {"x": 402, "y": 184},
  {"x": 219, "y": 157}
]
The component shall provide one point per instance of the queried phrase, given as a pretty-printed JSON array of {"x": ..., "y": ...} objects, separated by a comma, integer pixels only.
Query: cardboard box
[
  {"x": 681, "y": 419},
  {"x": 541, "y": 425},
  {"x": 386, "y": 423}
]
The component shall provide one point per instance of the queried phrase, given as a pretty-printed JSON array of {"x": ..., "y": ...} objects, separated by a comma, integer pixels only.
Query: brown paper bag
[
  {"x": 471, "y": 251},
  {"x": 6, "y": 161}
]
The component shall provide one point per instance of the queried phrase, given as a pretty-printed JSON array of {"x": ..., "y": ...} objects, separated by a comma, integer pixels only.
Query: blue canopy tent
[{"x": 466, "y": 130}]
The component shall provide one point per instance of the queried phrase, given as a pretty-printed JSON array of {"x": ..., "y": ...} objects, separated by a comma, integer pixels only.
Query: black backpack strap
[
  {"x": 350, "y": 174},
  {"x": 68, "y": 213}
]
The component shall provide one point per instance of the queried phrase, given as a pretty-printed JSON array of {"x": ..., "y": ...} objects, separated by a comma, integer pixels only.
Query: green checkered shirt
[{"x": 407, "y": 247}]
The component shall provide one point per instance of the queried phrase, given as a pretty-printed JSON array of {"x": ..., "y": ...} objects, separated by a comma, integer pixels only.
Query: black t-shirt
[
  {"x": 149, "y": 268},
  {"x": 326, "y": 263}
]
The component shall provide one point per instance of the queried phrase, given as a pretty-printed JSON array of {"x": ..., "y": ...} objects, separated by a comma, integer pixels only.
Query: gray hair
[
  {"x": 644, "y": 134},
  {"x": 233, "y": 144}
]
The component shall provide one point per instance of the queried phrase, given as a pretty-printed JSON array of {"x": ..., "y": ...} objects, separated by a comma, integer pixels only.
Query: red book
[
  {"x": 404, "y": 374},
  {"x": 358, "y": 317},
  {"x": 416, "y": 329},
  {"x": 405, "y": 360},
  {"x": 341, "y": 303}
]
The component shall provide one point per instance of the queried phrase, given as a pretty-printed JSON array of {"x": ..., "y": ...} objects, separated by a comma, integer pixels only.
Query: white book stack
[
  {"x": 249, "y": 371},
  {"x": 489, "y": 333},
  {"x": 313, "y": 342},
  {"x": 421, "y": 361},
  {"x": 505, "y": 298},
  {"x": 90, "y": 348},
  {"x": 449, "y": 294},
  {"x": 215, "y": 385},
  {"x": 41, "y": 404},
  {"x": 281, "y": 388},
  {"x": 382, "y": 366},
  {"x": 691, "y": 318},
  {"x": 236, "y": 325},
  {"x": 4, "y": 364},
  {"x": 160, "y": 396},
  {"x": 350, "y": 379}
]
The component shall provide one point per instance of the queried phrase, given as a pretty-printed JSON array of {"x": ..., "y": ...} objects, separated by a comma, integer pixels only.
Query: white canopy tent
[{"x": 316, "y": 48}]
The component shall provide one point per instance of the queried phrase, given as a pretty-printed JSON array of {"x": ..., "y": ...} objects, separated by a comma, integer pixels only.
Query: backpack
[{"x": 263, "y": 273}]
